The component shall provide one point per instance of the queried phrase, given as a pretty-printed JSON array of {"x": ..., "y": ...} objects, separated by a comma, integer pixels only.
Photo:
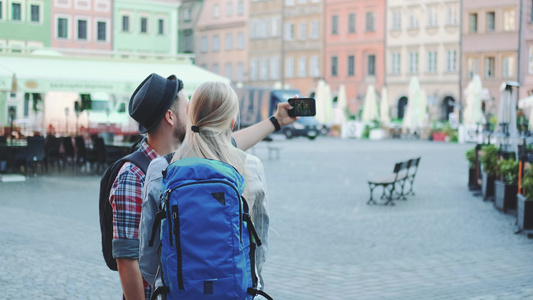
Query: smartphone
[{"x": 302, "y": 107}]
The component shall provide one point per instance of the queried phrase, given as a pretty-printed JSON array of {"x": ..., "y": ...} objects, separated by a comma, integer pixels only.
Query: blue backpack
[{"x": 207, "y": 237}]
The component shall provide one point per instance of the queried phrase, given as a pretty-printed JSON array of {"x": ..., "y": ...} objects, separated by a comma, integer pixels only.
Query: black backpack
[{"x": 106, "y": 211}]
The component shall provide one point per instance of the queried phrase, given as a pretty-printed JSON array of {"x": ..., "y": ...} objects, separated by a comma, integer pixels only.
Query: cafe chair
[
  {"x": 35, "y": 154},
  {"x": 68, "y": 149},
  {"x": 52, "y": 148}
]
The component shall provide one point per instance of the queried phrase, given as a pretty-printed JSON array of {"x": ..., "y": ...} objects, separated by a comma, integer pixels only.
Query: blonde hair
[{"x": 212, "y": 108}]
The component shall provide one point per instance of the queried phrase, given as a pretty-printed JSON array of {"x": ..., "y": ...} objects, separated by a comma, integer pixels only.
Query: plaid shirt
[{"x": 126, "y": 200}]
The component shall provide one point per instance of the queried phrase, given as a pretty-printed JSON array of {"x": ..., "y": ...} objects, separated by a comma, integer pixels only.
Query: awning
[{"x": 37, "y": 74}]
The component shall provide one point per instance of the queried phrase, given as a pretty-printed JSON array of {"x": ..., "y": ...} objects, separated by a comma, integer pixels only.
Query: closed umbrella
[
  {"x": 340, "y": 116},
  {"x": 413, "y": 115},
  {"x": 473, "y": 113},
  {"x": 384, "y": 115},
  {"x": 328, "y": 105},
  {"x": 423, "y": 105},
  {"x": 370, "y": 107},
  {"x": 320, "y": 101}
]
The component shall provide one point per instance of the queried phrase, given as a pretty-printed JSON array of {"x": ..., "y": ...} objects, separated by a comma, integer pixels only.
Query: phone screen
[{"x": 302, "y": 107}]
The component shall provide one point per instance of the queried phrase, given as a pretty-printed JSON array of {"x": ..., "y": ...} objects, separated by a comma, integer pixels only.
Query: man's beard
[{"x": 179, "y": 131}]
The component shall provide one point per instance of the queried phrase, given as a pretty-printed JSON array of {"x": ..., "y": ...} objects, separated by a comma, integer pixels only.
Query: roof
[{"x": 36, "y": 74}]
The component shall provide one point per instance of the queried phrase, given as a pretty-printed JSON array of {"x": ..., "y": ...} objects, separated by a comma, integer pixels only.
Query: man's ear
[{"x": 169, "y": 117}]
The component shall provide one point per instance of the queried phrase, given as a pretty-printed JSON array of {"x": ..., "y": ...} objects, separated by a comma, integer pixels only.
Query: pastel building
[
  {"x": 354, "y": 47},
  {"x": 82, "y": 26},
  {"x": 24, "y": 25},
  {"x": 145, "y": 28},
  {"x": 303, "y": 47},
  {"x": 423, "y": 41},
  {"x": 490, "y": 45},
  {"x": 189, "y": 13},
  {"x": 526, "y": 51},
  {"x": 221, "y": 36},
  {"x": 265, "y": 43}
]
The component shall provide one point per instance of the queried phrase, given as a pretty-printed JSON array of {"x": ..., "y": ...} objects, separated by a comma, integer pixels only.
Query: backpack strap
[
  {"x": 255, "y": 292},
  {"x": 139, "y": 159}
]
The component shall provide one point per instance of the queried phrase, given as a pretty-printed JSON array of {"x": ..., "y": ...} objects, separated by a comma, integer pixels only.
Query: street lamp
[{"x": 11, "y": 112}]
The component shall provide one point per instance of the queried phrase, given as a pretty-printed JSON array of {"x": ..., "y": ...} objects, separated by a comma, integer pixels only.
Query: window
[
  {"x": 125, "y": 23},
  {"x": 302, "y": 1},
  {"x": 274, "y": 68},
  {"x": 432, "y": 61},
  {"x": 289, "y": 32},
  {"x": 62, "y": 26},
  {"x": 289, "y": 67},
  {"x": 371, "y": 67},
  {"x": 216, "y": 11},
  {"x": 302, "y": 67},
  {"x": 275, "y": 26},
  {"x": 396, "y": 20},
  {"x": 240, "y": 40},
  {"x": 144, "y": 25},
  {"x": 1, "y": 13},
  {"x": 432, "y": 17},
  {"x": 472, "y": 23},
  {"x": 334, "y": 25},
  {"x": 451, "y": 15},
  {"x": 161, "y": 26},
  {"x": 253, "y": 69},
  {"x": 508, "y": 66},
  {"x": 289, "y": 2},
  {"x": 216, "y": 68},
  {"x": 216, "y": 43},
  {"x": 229, "y": 70},
  {"x": 264, "y": 69},
  {"x": 351, "y": 23},
  {"x": 240, "y": 71},
  {"x": 187, "y": 14},
  {"x": 203, "y": 44},
  {"x": 187, "y": 41},
  {"x": 413, "y": 62},
  {"x": 396, "y": 63},
  {"x": 229, "y": 9},
  {"x": 509, "y": 20},
  {"x": 314, "y": 30},
  {"x": 489, "y": 67},
  {"x": 303, "y": 30},
  {"x": 16, "y": 12},
  {"x": 490, "y": 22},
  {"x": 413, "y": 20},
  {"x": 314, "y": 67},
  {"x": 351, "y": 65},
  {"x": 334, "y": 66},
  {"x": 451, "y": 61},
  {"x": 471, "y": 67},
  {"x": 35, "y": 14},
  {"x": 101, "y": 31},
  {"x": 82, "y": 29},
  {"x": 240, "y": 8},
  {"x": 229, "y": 41},
  {"x": 369, "y": 21}
]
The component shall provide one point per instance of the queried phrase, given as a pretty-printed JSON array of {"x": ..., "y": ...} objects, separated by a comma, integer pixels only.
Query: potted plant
[
  {"x": 506, "y": 188},
  {"x": 524, "y": 206},
  {"x": 472, "y": 169},
  {"x": 489, "y": 161}
]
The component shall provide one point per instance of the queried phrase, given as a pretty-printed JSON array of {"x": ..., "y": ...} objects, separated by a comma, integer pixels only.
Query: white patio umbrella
[
  {"x": 328, "y": 105},
  {"x": 473, "y": 113},
  {"x": 423, "y": 105},
  {"x": 370, "y": 107},
  {"x": 527, "y": 103},
  {"x": 320, "y": 101},
  {"x": 413, "y": 116},
  {"x": 507, "y": 115},
  {"x": 340, "y": 114},
  {"x": 384, "y": 114}
]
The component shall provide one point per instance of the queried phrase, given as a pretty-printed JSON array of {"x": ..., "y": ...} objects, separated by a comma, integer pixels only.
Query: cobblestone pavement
[{"x": 325, "y": 242}]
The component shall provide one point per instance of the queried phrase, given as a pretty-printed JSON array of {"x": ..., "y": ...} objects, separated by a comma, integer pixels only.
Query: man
[{"x": 159, "y": 106}]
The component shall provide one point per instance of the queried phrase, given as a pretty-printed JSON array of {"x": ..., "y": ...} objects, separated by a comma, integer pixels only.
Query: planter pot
[
  {"x": 504, "y": 195},
  {"x": 524, "y": 212},
  {"x": 487, "y": 186},
  {"x": 439, "y": 136},
  {"x": 472, "y": 180}
]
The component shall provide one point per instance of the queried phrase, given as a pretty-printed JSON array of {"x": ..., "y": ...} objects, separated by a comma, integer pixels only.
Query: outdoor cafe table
[{"x": 10, "y": 149}]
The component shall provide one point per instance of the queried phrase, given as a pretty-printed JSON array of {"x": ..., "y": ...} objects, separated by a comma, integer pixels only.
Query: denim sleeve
[{"x": 148, "y": 256}]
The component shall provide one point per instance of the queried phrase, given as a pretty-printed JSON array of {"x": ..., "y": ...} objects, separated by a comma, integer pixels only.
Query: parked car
[{"x": 305, "y": 126}]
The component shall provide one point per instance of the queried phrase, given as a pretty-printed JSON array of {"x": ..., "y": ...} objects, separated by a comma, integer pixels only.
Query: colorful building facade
[
  {"x": 423, "y": 41},
  {"x": 221, "y": 36},
  {"x": 189, "y": 13},
  {"x": 354, "y": 47}
]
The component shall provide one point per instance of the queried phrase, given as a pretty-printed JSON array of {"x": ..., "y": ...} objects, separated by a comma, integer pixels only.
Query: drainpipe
[
  {"x": 519, "y": 54},
  {"x": 461, "y": 110}
]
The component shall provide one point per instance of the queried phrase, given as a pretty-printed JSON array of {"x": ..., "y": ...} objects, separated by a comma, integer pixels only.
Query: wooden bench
[{"x": 394, "y": 184}]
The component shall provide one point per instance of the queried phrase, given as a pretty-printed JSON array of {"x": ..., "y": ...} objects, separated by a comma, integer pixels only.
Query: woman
[{"x": 212, "y": 113}]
